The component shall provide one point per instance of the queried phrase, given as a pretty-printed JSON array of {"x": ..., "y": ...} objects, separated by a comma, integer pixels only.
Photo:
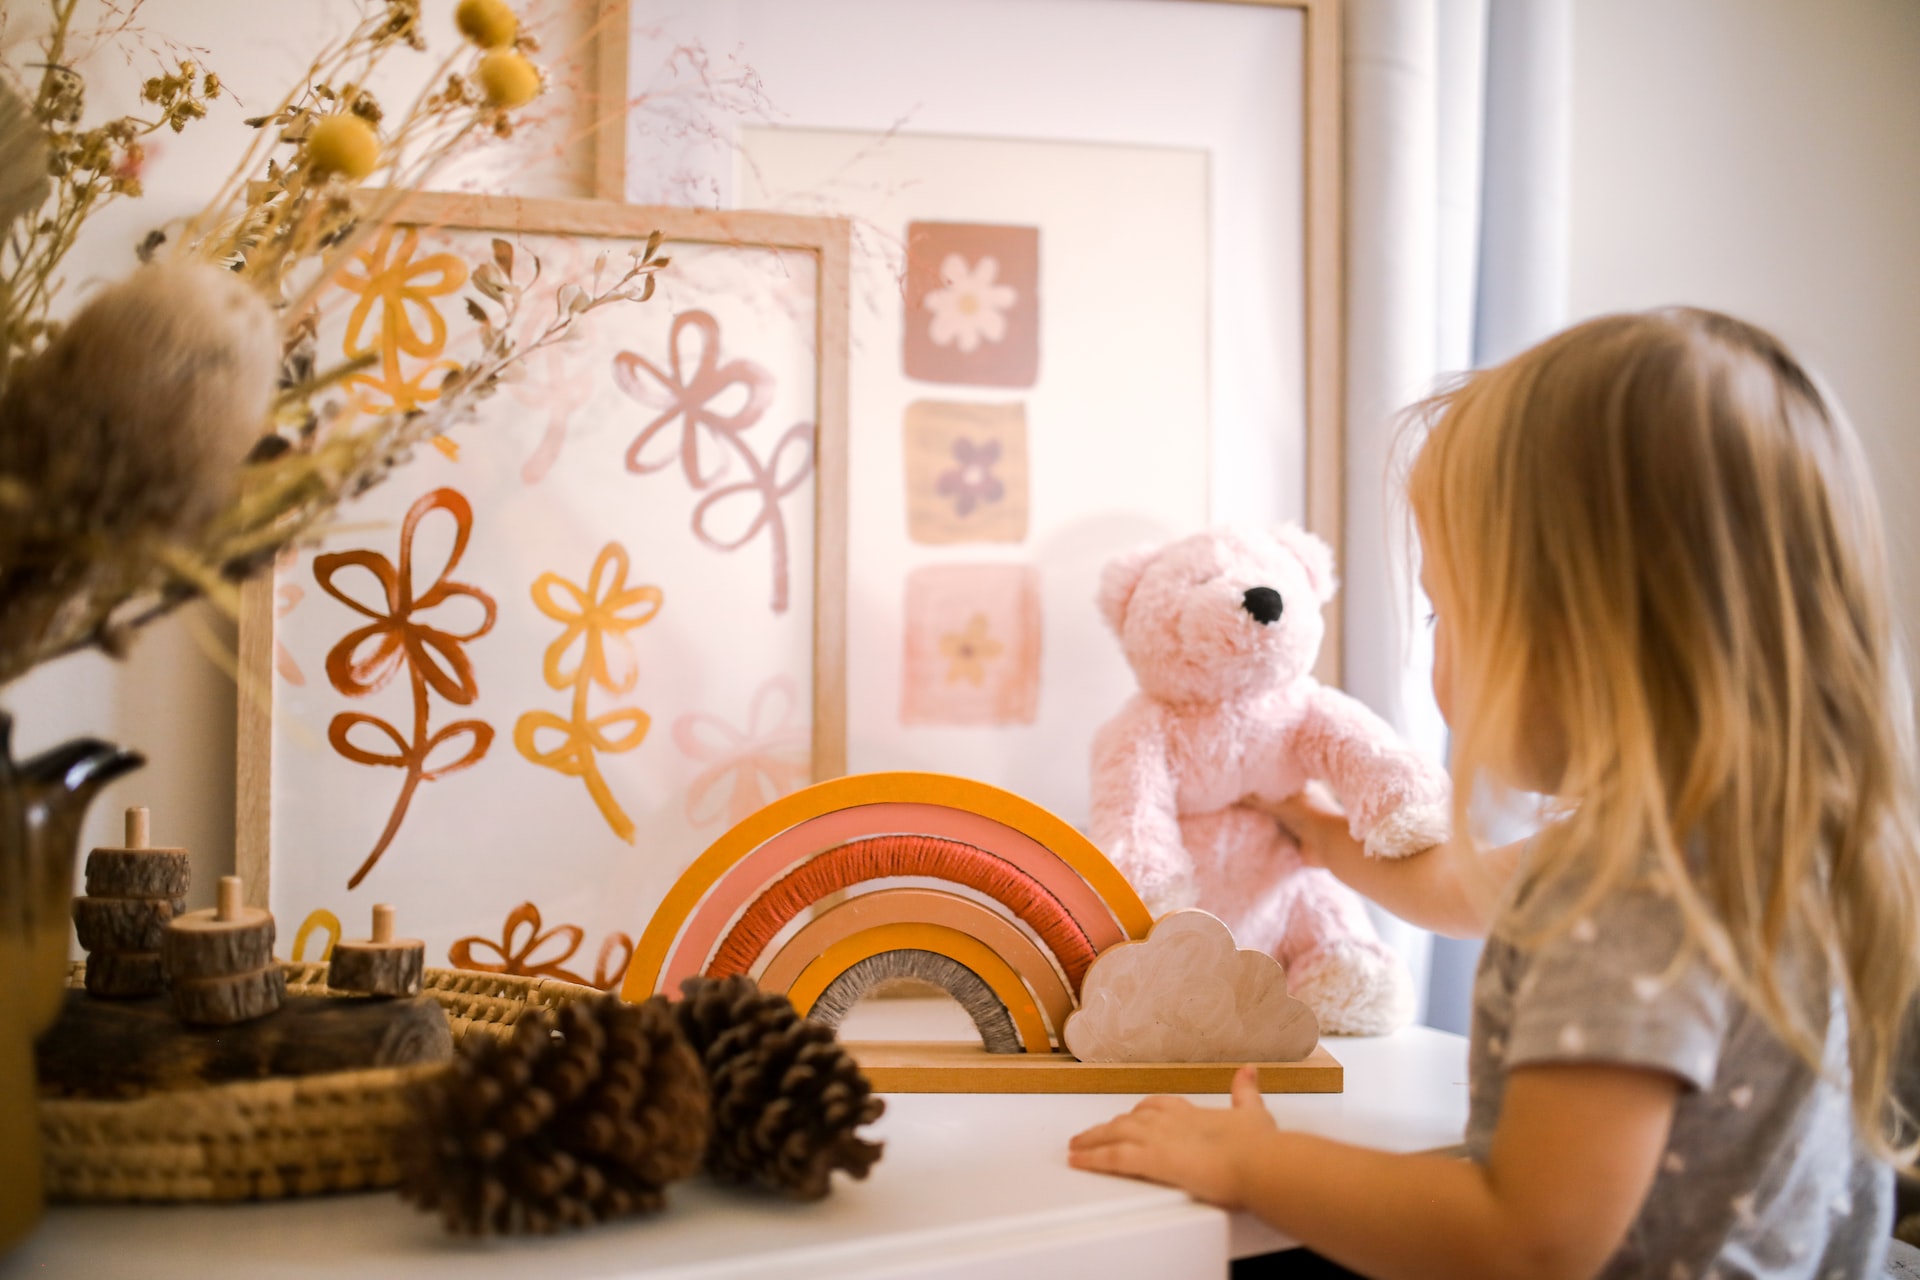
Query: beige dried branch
[{"x": 121, "y": 501}]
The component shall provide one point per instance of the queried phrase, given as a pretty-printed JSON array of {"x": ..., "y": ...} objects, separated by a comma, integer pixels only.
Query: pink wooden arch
[{"x": 744, "y": 882}]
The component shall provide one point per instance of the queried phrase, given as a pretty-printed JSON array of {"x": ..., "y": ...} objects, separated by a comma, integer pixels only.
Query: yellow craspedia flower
[
  {"x": 343, "y": 144},
  {"x": 491, "y": 24},
  {"x": 508, "y": 79}
]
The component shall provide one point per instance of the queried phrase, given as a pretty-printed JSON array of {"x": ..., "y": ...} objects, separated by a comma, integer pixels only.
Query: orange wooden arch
[{"x": 1046, "y": 829}]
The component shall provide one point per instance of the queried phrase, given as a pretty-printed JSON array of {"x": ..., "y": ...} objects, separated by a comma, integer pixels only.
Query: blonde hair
[{"x": 1661, "y": 565}]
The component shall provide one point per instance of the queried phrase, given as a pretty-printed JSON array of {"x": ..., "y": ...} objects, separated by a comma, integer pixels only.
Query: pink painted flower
[{"x": 747, "y": 769}]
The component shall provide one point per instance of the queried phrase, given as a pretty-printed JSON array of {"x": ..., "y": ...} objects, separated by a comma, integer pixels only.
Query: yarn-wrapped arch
[{"x": 876, "y": 857}]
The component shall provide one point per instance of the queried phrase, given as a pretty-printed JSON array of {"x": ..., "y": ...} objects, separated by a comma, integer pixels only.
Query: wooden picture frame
[
  {"x": 1150, "y": 224},
  {"x": 1323, "y": 268},
  {"x": 814, "y": 253}
]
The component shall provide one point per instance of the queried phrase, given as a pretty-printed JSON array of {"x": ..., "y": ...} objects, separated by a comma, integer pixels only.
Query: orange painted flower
[
  {"x": 285, "y": 597},
  {"x": 524, "y": 949},
  {"x": 367, "y": 658},
  {"x": 616, "y": 953}
]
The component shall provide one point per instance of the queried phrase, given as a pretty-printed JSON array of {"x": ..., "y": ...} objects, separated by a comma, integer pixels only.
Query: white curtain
[{"x": 1457, "y": 185}]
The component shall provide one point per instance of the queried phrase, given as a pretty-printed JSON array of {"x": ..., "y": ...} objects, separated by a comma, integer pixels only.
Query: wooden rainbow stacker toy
[{"x": 829, "y": 892}]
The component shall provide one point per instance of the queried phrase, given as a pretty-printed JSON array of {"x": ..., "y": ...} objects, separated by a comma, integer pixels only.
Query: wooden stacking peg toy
[
  {"x": 133, "y": 893},
  {"x": 382, "y": 965},
  {"x": 219, "y": 962}
]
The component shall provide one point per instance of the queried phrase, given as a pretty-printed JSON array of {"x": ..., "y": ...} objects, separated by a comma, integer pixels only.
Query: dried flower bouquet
[{"x": 179, "y": 432}]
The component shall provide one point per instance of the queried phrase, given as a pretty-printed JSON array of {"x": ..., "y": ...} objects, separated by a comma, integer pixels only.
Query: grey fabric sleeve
[{"x": 1636, "y": 1000}]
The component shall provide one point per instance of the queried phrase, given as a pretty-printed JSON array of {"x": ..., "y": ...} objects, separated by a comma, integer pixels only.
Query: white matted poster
[{"x": 1029, "y": 395}]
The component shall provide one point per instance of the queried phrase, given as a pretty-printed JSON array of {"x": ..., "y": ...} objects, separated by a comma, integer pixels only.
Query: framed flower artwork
[
  {"x": 526, "y": 680},
  {"x": 1095, "y": 304},
  {"x": 972, "y": 304}
]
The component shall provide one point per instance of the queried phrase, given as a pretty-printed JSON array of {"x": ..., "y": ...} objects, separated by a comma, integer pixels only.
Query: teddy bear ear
[
  {"x": 1117, "y": 582},
  {"x": 1314, "y": 555}
]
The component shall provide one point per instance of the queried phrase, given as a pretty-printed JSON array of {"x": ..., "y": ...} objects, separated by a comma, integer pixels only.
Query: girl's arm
[
  {"x": 1453, "y": 888},
  {"x": 1576, "y": 1151}
]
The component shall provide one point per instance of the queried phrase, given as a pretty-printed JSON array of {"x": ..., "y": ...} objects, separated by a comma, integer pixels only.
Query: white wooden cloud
[{"x": 1187, "y": 994}]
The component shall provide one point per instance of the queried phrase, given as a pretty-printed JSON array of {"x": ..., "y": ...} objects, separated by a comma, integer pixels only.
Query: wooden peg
[
  {"x": 220, "y": 941},
  {"x": 137, "y": 870},
  {"x": 220, "y": 963},
  {"x": 133, "y": 894},
  {"x": 382, "y": 965}
]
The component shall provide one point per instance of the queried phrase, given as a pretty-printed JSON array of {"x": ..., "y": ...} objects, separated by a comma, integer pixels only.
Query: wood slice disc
[
  {"x": 124, "y": 924},
  {"x": 378, "y": 968},
  {"x": 120, "y": 975},
  {"x": 201, "y": 945},
  {"x": 138, "y": 873},
  {"x": 237, "y": 997}
]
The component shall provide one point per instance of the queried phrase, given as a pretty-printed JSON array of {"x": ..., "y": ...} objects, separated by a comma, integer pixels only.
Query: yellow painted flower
[
  {"x": 323, "y": 921},
  {"x": 968, "y": 652},
  {"x": 595, "y": 618},
  {"x": 605, "y": 610},
  {"x": 396, "y": 294}
]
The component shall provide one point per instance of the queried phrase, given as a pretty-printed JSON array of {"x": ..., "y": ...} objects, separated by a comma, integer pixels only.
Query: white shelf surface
[{"x": 971, "y": 1184}]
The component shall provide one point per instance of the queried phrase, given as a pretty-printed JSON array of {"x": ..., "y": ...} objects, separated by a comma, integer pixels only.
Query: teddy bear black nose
[{"x": 1263, "y": 603}]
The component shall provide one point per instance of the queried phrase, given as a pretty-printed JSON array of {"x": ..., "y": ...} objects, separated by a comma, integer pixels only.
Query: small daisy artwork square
[
  {"x": 972, "y": 645},
  {"x": 966, "y": 472},
  {"x": 973, "y": 304}
]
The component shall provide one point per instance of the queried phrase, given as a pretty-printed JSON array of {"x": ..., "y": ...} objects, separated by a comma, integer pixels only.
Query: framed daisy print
[
  {"x": 1094, "y": 304},
  {"x": 526, "y": 680}
]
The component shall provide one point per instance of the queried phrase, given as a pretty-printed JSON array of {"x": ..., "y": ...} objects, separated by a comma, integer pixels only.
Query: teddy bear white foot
[
  {"x": 1410, "y": 829},
  {"x": 1354, "y": 988}
]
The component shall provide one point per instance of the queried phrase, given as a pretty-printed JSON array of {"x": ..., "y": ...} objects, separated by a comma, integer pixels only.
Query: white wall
[
  {"x": 173, "y": 699},
  {"x": 1763, "y": 157}
]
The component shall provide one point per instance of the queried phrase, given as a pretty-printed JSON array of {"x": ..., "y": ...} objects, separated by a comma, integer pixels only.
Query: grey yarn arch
[{"x": 989, "y": 1015}]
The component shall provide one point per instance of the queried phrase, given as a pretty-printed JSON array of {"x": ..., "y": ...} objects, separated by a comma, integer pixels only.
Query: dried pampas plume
[{"x": 134, "y": 422}]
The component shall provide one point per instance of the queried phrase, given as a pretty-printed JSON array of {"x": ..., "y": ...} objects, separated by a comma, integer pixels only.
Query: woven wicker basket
[{"x": 263, "y": 1139}]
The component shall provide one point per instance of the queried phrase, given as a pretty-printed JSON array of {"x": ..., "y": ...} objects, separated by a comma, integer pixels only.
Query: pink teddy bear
[{"x": 1221, "y": 630}]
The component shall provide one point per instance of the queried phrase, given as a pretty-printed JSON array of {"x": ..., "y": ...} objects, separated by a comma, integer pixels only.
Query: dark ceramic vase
[{"x": 42, "y": 803}]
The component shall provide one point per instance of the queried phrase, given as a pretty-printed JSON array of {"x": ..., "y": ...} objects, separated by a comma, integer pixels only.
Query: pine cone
[
  {"x": 786, "y": 1097},
  {"x": 569, "y": 1120}
]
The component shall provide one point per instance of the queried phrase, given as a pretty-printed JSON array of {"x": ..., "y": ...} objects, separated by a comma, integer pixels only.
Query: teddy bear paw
[
  {"x": 1410, "y": 829},
  {"x": 1355, "y": 988}
]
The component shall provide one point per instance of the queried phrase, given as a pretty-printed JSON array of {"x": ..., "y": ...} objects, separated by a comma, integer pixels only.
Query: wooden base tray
[{"x": 952, "y": 1066}]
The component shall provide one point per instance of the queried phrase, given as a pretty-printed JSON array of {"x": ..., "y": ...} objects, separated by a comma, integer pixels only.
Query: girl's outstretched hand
[
  {"x": 1204, "y": 1151},
  {"x": 1318, "y": 826}
]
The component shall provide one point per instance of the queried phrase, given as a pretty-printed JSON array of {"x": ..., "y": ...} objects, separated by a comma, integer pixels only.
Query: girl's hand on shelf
[{"x": 1205, "y": 1151}]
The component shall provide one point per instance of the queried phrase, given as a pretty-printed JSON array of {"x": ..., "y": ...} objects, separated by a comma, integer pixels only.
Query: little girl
[{"x": 1661, "y": 599}]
